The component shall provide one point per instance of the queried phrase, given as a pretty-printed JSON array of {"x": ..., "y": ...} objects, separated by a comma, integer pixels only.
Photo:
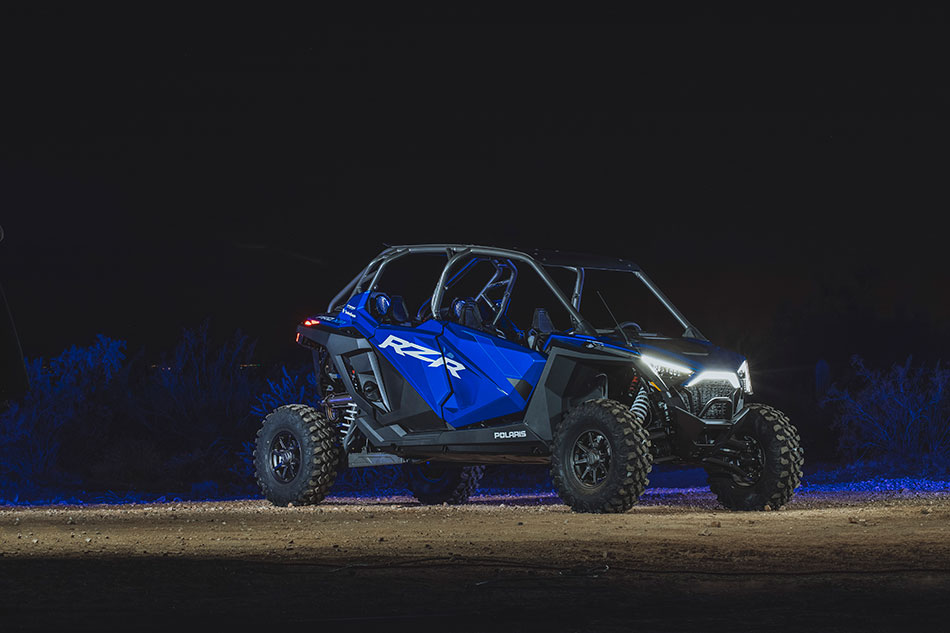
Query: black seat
[
  {"x": 541, "y": 321},
  {"x": 465, "y": 312},
  {"x": 541, "y": 328},
  {"x": 391, "y": 310},
  {"x": 399, "y": 311},
  {"x": 379, "y": 305}
]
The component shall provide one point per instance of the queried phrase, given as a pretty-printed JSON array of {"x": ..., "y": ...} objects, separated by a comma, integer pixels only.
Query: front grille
[{"x": 699, "y": 394}]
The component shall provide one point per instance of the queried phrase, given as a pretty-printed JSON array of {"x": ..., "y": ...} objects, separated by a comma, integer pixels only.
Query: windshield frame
[{"x": 689, "y": 330}]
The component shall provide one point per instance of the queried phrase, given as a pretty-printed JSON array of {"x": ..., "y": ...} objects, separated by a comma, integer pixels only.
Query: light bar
[
  {"x": 658, "y": 365},
  {"x": 729, "y": 376}
]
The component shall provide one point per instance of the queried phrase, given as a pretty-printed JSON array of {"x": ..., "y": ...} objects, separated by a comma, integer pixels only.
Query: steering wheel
[
  {"x": 632, "y": 324},
  {"x": 425, "y": 308}
]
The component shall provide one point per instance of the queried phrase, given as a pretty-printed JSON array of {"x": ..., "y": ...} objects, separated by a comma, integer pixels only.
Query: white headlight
[
  {"x": 665, "y": 367},
  {"x": 744, "y": 377}
]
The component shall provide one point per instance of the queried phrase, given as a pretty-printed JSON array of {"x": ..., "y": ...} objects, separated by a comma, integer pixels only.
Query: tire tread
[
  {"x": 791, "y": 459},
  {"x": 638, "y": 459},
  {"x": 320, "y": 463}
]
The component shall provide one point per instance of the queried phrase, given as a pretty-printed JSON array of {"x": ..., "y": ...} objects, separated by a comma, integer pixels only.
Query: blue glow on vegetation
[{"x": 100, "y": 426}]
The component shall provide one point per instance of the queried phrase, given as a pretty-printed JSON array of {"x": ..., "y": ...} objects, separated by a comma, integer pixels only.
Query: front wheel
[
  {"x": 771, "y": 463},
  {"x": 601, "y": 457}
]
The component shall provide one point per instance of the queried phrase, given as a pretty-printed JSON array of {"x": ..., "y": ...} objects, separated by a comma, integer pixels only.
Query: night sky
[{"x": 153, "y": 177}]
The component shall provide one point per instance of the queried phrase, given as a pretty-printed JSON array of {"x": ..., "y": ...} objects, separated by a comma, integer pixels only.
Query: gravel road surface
[{"x": 860, "y": 561}]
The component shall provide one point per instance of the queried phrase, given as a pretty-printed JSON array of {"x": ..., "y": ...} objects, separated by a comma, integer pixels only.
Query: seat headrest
[
  {"x": 541, "y": 321},
  {"x": 398, "y": 309},
  {"x": 379, "y": 304},
  {"x": 466, "y": 313}
]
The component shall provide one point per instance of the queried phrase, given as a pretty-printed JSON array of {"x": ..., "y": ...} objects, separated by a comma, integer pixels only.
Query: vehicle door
[{"x": 491, "y": 374}]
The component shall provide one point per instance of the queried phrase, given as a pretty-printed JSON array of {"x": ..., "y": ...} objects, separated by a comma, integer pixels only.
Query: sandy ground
[{"x": 826, "y": 562}]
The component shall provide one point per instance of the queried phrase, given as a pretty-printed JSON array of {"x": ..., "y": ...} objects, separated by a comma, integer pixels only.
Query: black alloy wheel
[
  {"x": 750, "y": 461},
  {"x": 285, "y": 457},
  {"x": 590, "y": 458}
]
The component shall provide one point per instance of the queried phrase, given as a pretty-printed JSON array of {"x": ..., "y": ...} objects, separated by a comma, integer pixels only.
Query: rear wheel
[
  {"x": 434, "y": 483},
  {"x": 296, "y": 456},
  {"x": 770, "y": 463},
  {"x": 601, "y": 457}
]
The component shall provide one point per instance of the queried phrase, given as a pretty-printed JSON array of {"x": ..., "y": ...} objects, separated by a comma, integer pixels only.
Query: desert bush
[
  {"x": 94, "y": 419},
  {"x": 64, "y": 392},
  {"x": 196, "y": 407},
  {"x": 900, "y": 416},
  {"x": 199, "y": 393},
  {"x": 298, "y": 387}
]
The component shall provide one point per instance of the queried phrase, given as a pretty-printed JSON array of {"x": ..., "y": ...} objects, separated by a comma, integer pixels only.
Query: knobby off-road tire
[
  {"x": 781, "y": 470},
  {"x": 601, "y": 457},
  {"x": 296, "y": 456},
  {"x": 434, "y": 483}
]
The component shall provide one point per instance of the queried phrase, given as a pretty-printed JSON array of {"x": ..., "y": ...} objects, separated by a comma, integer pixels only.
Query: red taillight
[
  {"x": 298, "y": 337},
  {"x": 311, "y": 322}
]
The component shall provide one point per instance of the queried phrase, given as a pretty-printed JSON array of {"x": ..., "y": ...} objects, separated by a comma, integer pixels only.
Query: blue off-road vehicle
[{"x": 521, "y": 357}]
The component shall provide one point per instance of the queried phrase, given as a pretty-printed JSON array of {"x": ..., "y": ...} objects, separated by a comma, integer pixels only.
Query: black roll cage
[{"x": 504, "y": 259}]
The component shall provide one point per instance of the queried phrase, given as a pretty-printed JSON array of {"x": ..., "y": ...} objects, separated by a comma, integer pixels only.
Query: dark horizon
[{"x": 148, "y": 188}]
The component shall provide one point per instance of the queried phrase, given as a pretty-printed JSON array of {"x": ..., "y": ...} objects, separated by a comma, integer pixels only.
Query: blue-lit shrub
[
  {"x": 195, "y": 406},
  {"x": 900, "y": 416},
  {"x": 299, "y": 387},
  {"x": 296, "y": 387},
  {"x": 95, "y": 420},
  {"x": 64, "y": 393}
]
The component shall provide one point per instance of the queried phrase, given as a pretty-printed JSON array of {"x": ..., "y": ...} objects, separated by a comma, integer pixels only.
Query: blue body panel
[
  {"x": 415, "y": 353},
  {"x": 467, "y": 376},
  {"x": 486, "y": 389},
  {"x": 356, "y": 314}
]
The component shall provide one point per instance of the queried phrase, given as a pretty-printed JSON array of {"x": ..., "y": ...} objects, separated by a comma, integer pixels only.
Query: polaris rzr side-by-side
[{"x": 521, "y": 357}]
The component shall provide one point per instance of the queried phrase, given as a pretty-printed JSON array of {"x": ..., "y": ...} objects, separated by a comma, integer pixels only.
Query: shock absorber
[
  {"x": 349, "y": 417},
  {"x": 641, "y": 406},
  {"x": 343, "y": 411}
]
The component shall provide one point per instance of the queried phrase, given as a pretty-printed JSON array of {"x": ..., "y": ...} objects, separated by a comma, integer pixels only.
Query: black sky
[{"x": 159, "y": 176}]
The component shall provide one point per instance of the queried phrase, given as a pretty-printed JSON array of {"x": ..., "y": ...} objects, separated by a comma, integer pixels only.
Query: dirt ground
[{"x": 827, "y": 562}]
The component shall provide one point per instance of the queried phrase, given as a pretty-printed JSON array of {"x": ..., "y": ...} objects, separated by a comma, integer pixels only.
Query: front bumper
[{"x": 701, "y": 423}]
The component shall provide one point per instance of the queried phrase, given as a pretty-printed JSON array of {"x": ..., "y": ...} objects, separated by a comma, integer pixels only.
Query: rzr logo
[{"x": 434, "y": 358}]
